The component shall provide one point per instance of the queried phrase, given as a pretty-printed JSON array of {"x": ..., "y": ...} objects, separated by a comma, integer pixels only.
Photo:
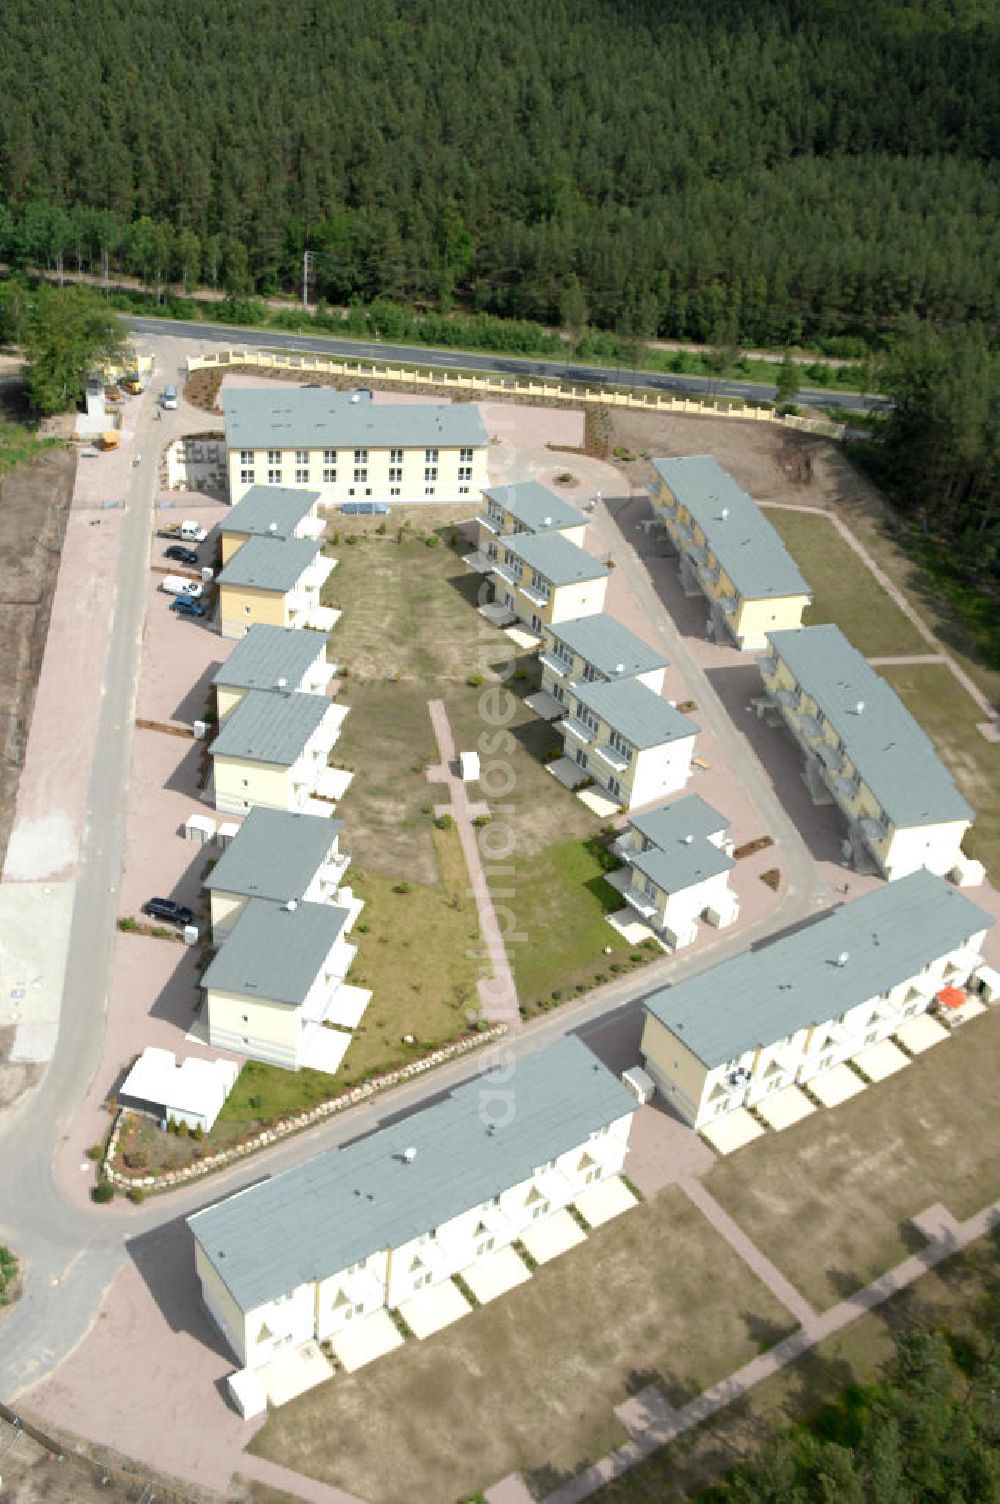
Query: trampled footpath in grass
[
  {"x": 949, "y": 716},
  {"x": 829, "y": 1199},
  {"x": 530, "y": 1381},
  {"x": 845, "y": 591}
]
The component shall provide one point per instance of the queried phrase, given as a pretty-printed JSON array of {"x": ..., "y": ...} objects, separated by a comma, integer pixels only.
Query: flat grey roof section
[
  {"x": 795, "y": 981},
  {"x": 269, "y": 563},
  {"x": 643, "y": 718},
  {"x": 487, "y": 1135},
  {"x": 536, "y": 507},
  {"x": 682, "y": 854},
  {"x": 274, "y": 511},
  {"x": 275, "y": 953},
  {"x": 894, "y": 756},
  {"x": 559, "y": 560},
  {"x": 267, "y": 654},
  {"x": 295, "y": 418},
  {"x": 275, "y": 854},
  {"x": 611, "y": 648},
  {"x": 743, "y": 540},
  {"x": 270, "y": 726}
]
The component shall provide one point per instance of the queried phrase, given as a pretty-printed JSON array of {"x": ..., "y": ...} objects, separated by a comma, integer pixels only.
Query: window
[
  {"x": 648, "y": 885},
  {"x": 465, "y": 457},
  {"x": 430, "y": 472},
  {"x": 246, "y": 477},
  {"x": 620, "y": 744},
  {"x": 463, "y": 490},
  {"x": 395, "y": 456},
  {"x": 430, "y": 490},
  {"x": 329, "y": 456},
  {"x": 360, "y": 474},
  {"x": 301, "y": 477},
  {"x": 540, "y": 583},
  {"x": 484, "y": 1247},
  {"x": 246, "y": 610},
  {"x": 274, "y": 477},
  {"x": 539, "y": 1210},
  {"x": 590, "y": 673},
  {"x": 274, "y": 456},
  {"x": 431, "y": 456},
  {"x": 246, "y": 456},
  {"x": 465, "y": 472},
  {"x": 581, "y": 757},
  {"x": 329, "y": 476},
  {"x": 361, "y": 456},
  {"x": 393, "y": 490},
  {"x": 586, "y": 716},
  {"x": 302, "y": 457},
  {"x": 395, "y": 472}
]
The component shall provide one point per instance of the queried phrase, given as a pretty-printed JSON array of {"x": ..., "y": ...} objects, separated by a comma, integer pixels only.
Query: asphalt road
[
  {"x": 505, "y": 365},
  {"x": 73, "y": 1252}
]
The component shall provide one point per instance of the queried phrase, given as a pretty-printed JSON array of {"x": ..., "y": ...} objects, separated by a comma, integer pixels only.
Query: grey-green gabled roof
[
  {"x": 643, "y": 718},
  {"x": 612, "y": 649},
  {"x": 271, "y": 511},
  {"x": 270, "y": 726},
  {"x": 893, "y": 755},
  {"x": 274, "y": 953},
  {"x": 795, "y": 981},
  {"x": 322, "y": 418},
  {"x": 536, "y": 507},
  {"x": 682, "y": 854},
  {"x": 267, "y": 654},
  {"x": 489, "y": 1134},
  {"x": 269, "y": 563},
  {"x": 740, "y": 536},
  {"x": 275, "y": 854},
  {"x": 555, "y": 557}
]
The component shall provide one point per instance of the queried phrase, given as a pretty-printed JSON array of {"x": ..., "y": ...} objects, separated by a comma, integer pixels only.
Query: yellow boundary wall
[{"x": 487, "y": 386}]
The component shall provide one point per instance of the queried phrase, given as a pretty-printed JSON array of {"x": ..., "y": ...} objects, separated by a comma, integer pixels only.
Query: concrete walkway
[
  {"x": 895, "y": 594},
  {"x": 653, "y": 1423},
  {"x": 285, "y": 1480},
  {"x": 901, "y": 660},
  {"x": 497, "y": 992},
  {"x": 781, "y": 1288}
]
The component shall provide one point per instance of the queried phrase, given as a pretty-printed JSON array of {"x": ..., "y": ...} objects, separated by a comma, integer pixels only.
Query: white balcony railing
[
  {"x": 578, "y": 730},
  {"x": 611, "y": 755}
]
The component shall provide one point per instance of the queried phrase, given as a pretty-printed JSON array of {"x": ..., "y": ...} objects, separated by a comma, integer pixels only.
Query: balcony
[
  {"x": 768, "y": 666},
  {"x": 537, "y": 597},
  {"x": 578, "y": 730},
  {"x": 645, "y": 905},
  {"x": 509, "y": 572},
  {"x": 554, "y": 664},
  {"x": 789, "y": 698},
  {"x": 811, "y": 728},
  {"x": 492, "y": 524},
  {"x": 611, "y": 755}
]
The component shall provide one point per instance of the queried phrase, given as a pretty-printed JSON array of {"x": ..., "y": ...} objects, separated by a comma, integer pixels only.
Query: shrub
[
  {"x": 128, "y": 924},
  {"x": 382, "y": 529},
  {"x": 197, "y": 1132},
  {"x": 481, "y": 820},
  {"x": 102, "y": 1191},
  {"x": 334, "y": 537},
  {"x": 182, "y": 1130},
  {"x": 95, "y": 1151},
  {"x": 432, "y": 540},
  {"x": 255, "y": 1102},
  {"x": 362, "y": 927},
  {"x": 401, "y": 888},
  {"x": 136, "y": 1195},
  {"x": 474, "y": 681},
  {"x": 453, "y": 538},
  {"x": 564, "y": 478},
  {"x": 136, "y": 1159},
  {"x": 351, "y": 538},
  {"x": 444, "y": 822}
]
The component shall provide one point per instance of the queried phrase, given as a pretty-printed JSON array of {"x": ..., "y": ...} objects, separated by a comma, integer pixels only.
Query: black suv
[
  {"x": 181, "y": 555},
  {"x": 165, "y": 908}
]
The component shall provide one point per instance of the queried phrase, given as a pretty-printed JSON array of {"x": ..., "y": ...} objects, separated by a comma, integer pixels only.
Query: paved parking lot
[{"x": 162, "y": 793}]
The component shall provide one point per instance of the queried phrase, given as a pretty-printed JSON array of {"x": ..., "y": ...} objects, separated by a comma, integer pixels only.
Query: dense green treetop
[{"x": 718, "y": 171}]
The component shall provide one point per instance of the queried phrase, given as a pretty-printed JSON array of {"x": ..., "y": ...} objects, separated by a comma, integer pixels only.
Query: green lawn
[
  {"x": 844, "y": 589},
  {"x": 530, "y": 1380},
  {"x": 829, "y": 1199},
  {"x": 18, "y": 445},
  {"x": 949, "y": 716}
]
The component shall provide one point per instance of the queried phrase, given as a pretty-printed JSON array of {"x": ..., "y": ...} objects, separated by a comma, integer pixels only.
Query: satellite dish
[
  {"x": 843, "y": 958},
  {"x": 409, "y": 1155}
]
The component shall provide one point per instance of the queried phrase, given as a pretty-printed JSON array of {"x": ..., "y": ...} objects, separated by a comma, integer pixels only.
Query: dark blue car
[{"x": 185, "y": 606}]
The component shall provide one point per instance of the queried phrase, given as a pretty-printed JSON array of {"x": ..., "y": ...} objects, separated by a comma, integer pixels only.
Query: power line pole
[{"x": 308, "y": 259}]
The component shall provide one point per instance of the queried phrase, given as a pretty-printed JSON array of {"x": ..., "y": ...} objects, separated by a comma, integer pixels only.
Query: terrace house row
[
  {"x": 273, "y": 750},
  {"x": 543, "y": 578},
  {"x": 864, "y": 752},
  {"x": 272, "y": 658},
  {"x": 728, "y": 552},
  {"x": 281, "y": 857},
  {"x": 346, "y": 447},
  {"x": 590, "y": 650},
  {"x": 276, "y": 512},
  {"x": 798, "y": 1006},
  {"x": 677, "y": 865},
  {"x": 634, "y": 744},
  {"x": 528, "y": 507},
  {"x": 276, "y": 989},
  {"x": 389, "y": 1217},
  {"x": 275, "y": 583}
]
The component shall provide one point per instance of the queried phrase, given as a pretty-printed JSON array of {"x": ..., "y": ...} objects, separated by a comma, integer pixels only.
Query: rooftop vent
[
  {"x": 546, "y": 522},
  {"x": 859, "y": 708},
  {"x": 281, "y": 683},
  {"x": 292, "y": 905},
  {"x": 724, "y": 513},
  {"x": 409, "y": 1155},
  {"x": 688, "y": 840},
  {"x": 272, "y": 527},
  {"x": 843, "y": 958},
  {"x": 619, "y": 668}
]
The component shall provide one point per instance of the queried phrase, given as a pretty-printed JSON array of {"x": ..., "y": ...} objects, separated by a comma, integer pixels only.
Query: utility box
[
  {"x": 200, "y": 829},
  {"x": 639, "y": 1084},
  {"x": 191, "y": 933},
  {"x": 227, "y": 833},
  {"x": 468, "y": 766}
]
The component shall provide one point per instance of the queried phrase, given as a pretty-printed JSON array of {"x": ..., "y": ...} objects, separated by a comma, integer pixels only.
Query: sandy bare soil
[{"x": 29, "y": 561}]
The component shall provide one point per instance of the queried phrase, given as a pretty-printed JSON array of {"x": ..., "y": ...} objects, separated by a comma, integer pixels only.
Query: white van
[
  {"x": 175, "y": 584},
  {"x": 170, "y": 398}
]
